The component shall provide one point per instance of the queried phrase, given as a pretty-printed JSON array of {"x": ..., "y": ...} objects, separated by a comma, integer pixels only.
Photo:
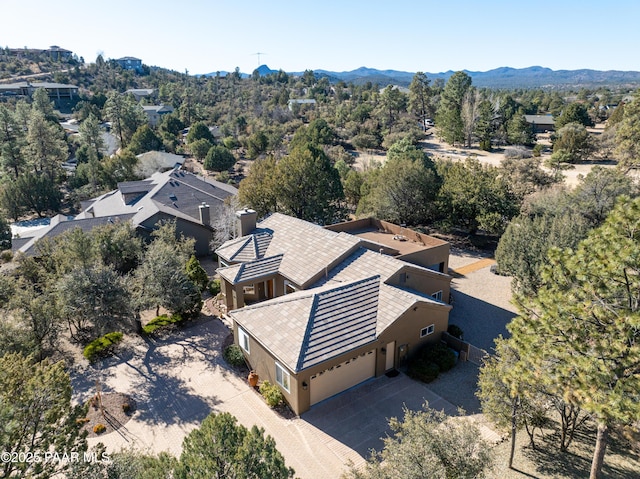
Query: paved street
[{"x": 179, "y": 380}]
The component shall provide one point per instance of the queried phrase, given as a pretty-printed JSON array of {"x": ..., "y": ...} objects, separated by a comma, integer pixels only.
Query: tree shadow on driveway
[{"x": 173, "y": 379}]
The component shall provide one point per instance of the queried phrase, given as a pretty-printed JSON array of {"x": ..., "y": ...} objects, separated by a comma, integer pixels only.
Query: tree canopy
[
  {"x": 580, "y": 334},
  {"x": 427, "y": 444}
]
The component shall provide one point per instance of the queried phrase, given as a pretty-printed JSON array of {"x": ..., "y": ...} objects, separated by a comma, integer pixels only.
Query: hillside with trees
[{"x": 297, "y": 144}]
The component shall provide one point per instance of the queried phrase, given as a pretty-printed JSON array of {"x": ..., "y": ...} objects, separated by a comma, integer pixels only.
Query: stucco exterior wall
[
  {"x": 423, "y": 282},
  {"x": 405, "y": 331}
]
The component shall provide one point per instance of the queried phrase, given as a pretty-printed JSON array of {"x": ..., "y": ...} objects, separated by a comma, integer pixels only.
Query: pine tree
[{"x": 580, "y": 336}]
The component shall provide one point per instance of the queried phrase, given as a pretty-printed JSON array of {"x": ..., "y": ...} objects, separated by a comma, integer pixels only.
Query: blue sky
[{"x": 206, "y": 36}]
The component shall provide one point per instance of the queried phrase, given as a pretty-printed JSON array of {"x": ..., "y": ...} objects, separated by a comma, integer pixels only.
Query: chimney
[
  {"x": 205, "y": 217},
  {"x": 246, "y": 221}
]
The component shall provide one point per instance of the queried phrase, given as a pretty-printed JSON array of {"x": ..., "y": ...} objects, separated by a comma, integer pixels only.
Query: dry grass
[{"x": 548, "y": 462}]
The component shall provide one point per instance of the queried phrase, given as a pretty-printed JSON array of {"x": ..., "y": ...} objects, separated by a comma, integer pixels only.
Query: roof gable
[
  {"x": 304, "y": 329},
  {"x": 341, "y": 319},
  {"x": 251, "y": 271},
  {"x": 246, "y": 248},
  {"x": 309, "y": 249}
]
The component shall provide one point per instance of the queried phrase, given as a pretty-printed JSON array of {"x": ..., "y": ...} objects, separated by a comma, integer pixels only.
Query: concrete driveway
[{"x": 177, "y": 382}]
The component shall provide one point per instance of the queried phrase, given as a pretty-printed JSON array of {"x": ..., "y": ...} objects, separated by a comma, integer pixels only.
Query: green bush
[
  {"x": 101, "y": 345},
  {"x": 537, "y": 149},
  {"x": 423, "y": 371},
  {"x": 196, "y": 273},
  {"x": 214, "y": 287},
  {"x": 271, "y": 393},
  {"x": 233, "y": 355},
  {"x": 440, "y": 355},
  {"x": 161, "y": 321},
  {"x": 6, "y": 256},
  {"x": 455, "y": 331}
]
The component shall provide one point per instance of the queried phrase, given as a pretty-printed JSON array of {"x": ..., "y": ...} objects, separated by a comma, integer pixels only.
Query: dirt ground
[
  {"x": 113, "y": 411},
  {"x": 438, "y": 148}
]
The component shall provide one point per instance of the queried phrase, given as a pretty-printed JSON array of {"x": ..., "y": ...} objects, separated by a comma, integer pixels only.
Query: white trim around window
[
  {"x": 427, "y": 331},
  {"x": 283, "y": 378},
  {"x": 243, "y": 340}
]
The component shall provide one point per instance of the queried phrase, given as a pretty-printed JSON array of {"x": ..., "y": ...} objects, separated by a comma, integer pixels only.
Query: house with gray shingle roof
[
  {"x": 172, "y": 195},
  {"x": 541, "y": 123},
  {"x": 318, "y": 311}
]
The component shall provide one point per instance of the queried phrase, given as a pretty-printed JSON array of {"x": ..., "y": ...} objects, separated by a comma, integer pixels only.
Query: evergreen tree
[
  {"x": 419, "y": 93},
  {"x": 429, "y": 444},
  {"x": 449, "y": 116},
  {"x": 219, "y": 159},
  {"x": 222, "y": 448},
  {"x": 308, "y": 187},
  {"x": 37, "y": 417},
  {"x": 580, "y": 336}
]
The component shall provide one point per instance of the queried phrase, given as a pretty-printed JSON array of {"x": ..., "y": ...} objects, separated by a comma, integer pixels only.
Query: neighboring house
[
  {"x": 140, "y": 93},
  {"x": 325, "y": 311},
  {"x": 56, "y": 91},
  {"x": 155, "y": 112},
  {"x": 171, "y": 195},
  {"x": 130, "y": 63},
  {"x": 54, "y": 52},
  {"x": 540, "y": 123},
  {"x": 301, "y": 101},
  {"x": 155, "y": 161}
]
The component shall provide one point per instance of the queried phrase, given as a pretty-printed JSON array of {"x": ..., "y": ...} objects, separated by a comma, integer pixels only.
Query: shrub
[
  {"x": 160, "y": 322},
  {"x": 196, "y": 273},
  {"x": 423, "y": 371},
  {"x": 99, "y": 428},
  {"x": 537, "y": 149},
  {"x": 233, "y": 355},
  {"x": 517, "y": 152},
  {"x": 82, "y": 420},
  {"x": 271, "y": 393},
  {"x": 126, "y": 408},
  {"x": 440, "y": 355},
  {"x": 219, "y": 158},
  {"x": 101, "y": 345},
  {"x": 455, "y": 331},
  {"x": 6, "y": 256},
  {"x": 214, "y": 287}
]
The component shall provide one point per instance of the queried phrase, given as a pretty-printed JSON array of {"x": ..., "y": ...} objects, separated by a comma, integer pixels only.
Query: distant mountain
[{"x": 504, "y": 77}]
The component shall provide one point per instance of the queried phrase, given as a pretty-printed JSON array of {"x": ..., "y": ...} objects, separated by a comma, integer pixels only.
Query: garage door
[{"x": 343, "y": 376}]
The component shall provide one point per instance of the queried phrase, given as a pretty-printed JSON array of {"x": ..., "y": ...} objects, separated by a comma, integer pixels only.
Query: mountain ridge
[{"x": 501, "y": 77}]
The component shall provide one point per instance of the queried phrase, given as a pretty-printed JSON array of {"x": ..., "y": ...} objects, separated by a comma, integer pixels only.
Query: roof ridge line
[{"x": 307, "y": 333}]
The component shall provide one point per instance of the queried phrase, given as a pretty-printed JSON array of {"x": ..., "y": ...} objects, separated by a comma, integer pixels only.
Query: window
[
  {"x": 282, "y": 377},
  {"x": 427, "y": 331},
  {"x": 243, "y": 339},
  {"x": 249, "y": 289},
  {"x": 437, "y": 295}
]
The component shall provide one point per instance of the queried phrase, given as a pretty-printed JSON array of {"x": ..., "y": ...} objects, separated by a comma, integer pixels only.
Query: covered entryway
[{"x": 342, "y": 376}]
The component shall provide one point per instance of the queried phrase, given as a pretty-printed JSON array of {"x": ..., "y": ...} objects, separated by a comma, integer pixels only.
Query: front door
[{"x": 390, "y": 358}]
